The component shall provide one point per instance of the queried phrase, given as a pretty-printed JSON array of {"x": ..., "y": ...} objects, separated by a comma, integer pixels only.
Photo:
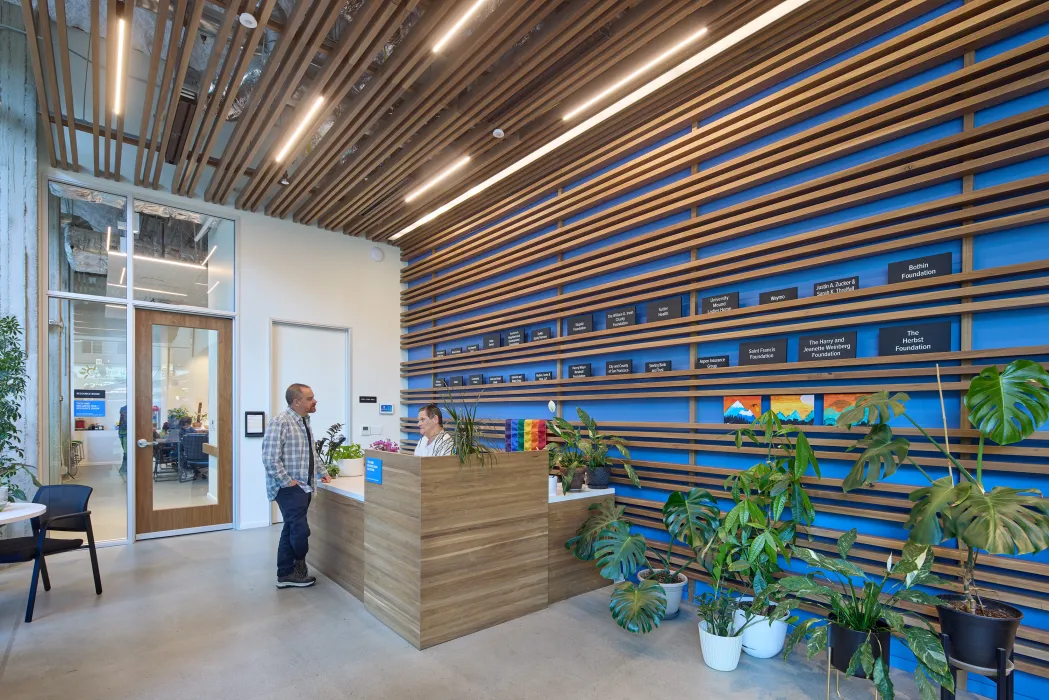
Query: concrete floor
[{"x": 199, "y": 617}]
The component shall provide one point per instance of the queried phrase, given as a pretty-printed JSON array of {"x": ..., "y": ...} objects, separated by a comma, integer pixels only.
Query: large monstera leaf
[
  {"x": 619, "y": 554},
  {"x": 924, "y": 522},
  {"x": 1009, "y": 406},
  {"x": 692, "y": 518},
  {"x": 1003, "y": 521},
  {"x": 883, "y": 453},
  {"x": 638, "y": 608},
  {"x": 602, "y": 516},
  {"x": 873, "y": 408}
]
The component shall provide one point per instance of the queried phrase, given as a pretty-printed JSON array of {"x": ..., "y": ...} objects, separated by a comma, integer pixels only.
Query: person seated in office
[
  {"x": 185, "y": 425},
  {"x": 434, "y": 442}
]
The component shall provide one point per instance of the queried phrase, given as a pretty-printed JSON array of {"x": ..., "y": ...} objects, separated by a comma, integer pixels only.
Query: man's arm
[{"x": 273, "y": 453}]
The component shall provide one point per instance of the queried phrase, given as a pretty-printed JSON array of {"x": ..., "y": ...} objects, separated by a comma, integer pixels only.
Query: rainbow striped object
[{"x": 524, "y": 435}]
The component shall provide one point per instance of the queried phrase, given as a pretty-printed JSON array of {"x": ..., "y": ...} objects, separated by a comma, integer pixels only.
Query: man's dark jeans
[{"x": 295, "y": 537}]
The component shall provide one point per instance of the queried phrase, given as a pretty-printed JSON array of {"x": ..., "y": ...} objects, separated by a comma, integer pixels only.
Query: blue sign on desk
[
  {"x": 373, "y": 470},
  {"x": 89, "y": 409}
]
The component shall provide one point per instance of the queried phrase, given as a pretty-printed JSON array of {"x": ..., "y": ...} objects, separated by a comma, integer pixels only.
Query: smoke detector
[
  {"x": 498, "y": 133},
  {"x": 248, "y": 20},
  {"x": 377, "y": 254}
]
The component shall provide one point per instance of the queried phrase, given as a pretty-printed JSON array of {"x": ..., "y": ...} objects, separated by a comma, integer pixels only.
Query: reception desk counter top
[{"x": 349, "y": 486}]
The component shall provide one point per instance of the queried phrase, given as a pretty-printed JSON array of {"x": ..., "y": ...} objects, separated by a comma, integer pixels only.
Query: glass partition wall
[{"x": 178, "y": 259}]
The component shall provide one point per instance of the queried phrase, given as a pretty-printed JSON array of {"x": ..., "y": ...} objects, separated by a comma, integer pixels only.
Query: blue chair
[
  {"x": 66, "y": 512},
  {"x": 192, "y": 458}
]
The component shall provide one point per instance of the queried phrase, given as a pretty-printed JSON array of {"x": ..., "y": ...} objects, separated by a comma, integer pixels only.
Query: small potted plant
[
  {"x": 585, "y": 450},
  {"x": 327, "y": 446},
  {"x": 860, "y": 620},
  {"x": 720, "y": 628},
  {"x": 1005, "y": 407},
  {"x": 469, "y": 443},
  {"x": 690, "y": 519},
  {"x": 12, "y": 393},
  {"x": 384, "y": 445},
  {"x": 348, "y": 460}
]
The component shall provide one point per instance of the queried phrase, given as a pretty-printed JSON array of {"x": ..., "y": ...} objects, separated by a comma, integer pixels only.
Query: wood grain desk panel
[
  {"x": 568, "y": 576},
  {"x": 337, "y": 539},
  {"x": 212, "y": 450}
]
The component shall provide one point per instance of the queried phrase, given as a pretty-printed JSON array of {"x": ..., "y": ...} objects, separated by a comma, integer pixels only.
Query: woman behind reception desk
[{"x": 434, "y": 441}]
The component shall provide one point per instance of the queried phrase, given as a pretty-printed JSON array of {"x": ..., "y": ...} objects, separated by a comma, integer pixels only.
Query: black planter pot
[
  {"x": 598, "y": 477},
  {"x": 975, "y": 639},
  {"x": 844, "y": 643},
  {"x": 577, "y": 480}
]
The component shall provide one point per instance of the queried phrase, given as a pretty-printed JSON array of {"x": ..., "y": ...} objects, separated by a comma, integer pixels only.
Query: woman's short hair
[{"x": 433, "y": 411}]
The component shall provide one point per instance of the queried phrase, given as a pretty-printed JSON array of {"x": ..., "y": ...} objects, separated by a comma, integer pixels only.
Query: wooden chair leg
[
  {"x": 43, "y": 574},
  {"x": 94, "y": 556}
]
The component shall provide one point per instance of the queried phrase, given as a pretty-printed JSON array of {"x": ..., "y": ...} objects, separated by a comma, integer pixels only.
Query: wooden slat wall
[{"x": 831, "y": 170}]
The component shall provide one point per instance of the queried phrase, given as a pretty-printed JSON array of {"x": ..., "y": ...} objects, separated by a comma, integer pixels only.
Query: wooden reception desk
[{"x": 437, "y": 551}]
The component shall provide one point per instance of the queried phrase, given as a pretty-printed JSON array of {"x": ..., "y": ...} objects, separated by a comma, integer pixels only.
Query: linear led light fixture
[
  {"x": 306, "y": 119},
  {"x": 117, "y": 97},
  {"x": 214, "y": 248},
  {"x": 457, "y": 26},
  {"x": 155, "y": 291},
  {"x": 178, "y": 263},
  {"x": 707, "y": 53},
  {"x": 643, "y": 69},
  {"x": 109, "y": 235},
  {"x": 123, "y": 271},
  {"x": 443, "y": 175},
  {"x": 212, "y": 288}
]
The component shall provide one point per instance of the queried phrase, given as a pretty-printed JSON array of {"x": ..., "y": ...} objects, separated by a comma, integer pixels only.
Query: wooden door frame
[{"x": 147, "y": 520}]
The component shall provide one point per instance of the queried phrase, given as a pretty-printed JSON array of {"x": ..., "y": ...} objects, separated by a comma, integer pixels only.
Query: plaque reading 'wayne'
[
  {"x": 763, "y": 352},
  {"x": 476, "y": 379},
  {"x": 499, "y": 380},
  {"x": 441, "y": 353},
  {"x": 455, "y": 381},
  {"x": 618, "y": 318},
  {"x": 778, "y": 295},
  {"x": 491, "y": 340},
  {"x": 722, "y": 302},
  {"x": 542, "y": 334},
  {"x": 918, "y": 268},
  {"x": 846, "y": 284},
  {"x": 455, "y": 351},
  {"x": 473, "y": 348},
  {"x": 544, "y": 376},
  {"x": 662, "y": 310},
  {"x": 712, "y": 362},
  {"x": 658, "y": 366},
  {"x": 439, "y": 382},
  {"x": 580, "y": 324},
  {"x": 582, "y": 370},
  {"x": 915, "y": 338},
  {"x": 516, "y": 378},
  {"x": 515, "y": 337},
  {"x": 827, "y": 346},
  {"x": 619, "y": 367}
]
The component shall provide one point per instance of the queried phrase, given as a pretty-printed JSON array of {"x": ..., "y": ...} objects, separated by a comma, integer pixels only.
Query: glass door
[{"x": 183, "y": 422}]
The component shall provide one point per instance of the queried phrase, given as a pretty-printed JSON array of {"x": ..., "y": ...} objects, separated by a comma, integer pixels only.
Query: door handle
[{"x": 146, "y": 443}]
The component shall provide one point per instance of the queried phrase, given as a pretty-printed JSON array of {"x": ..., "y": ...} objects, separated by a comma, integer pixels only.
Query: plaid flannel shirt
[{"x": 286, "y": 456}]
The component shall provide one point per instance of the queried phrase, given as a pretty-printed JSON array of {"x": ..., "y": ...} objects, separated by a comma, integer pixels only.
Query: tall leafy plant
[
  {"x": 468, "y": 441},
  {"x": 327, "y": 445},
  {"x": 1005, "y": 407},
  {"x": 585, "y": 447},
  {"x": 13, "y": 380}
]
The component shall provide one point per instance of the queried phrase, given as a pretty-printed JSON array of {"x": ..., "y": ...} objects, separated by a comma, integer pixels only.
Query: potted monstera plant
[
  {"x": 1005, "y": 407},
  {"x": 691, "y": 519},
  {"x": 585, "y": 448}
]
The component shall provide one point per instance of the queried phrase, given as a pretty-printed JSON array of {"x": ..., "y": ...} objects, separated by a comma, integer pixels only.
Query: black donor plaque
[
  {"x": 827, "y": 346},
  {"x": 619, "y": 367},
  {"x": 491, "y": 340},
  {"x": 542, "y": 334},
  {"x": 919, "y": 268},
  {"x": 544, "y": 376},
  {"x": 763, "y": 352},
  {"x": 438, "y": 382},
  {"x": 580, "y": 324},
  {"x": 721, "y": 302},
  {"x": 778, "y": 295},
  {"x": 659, "y": 366},
  {"x": 516, "y": 378},
  {"x": 476, "y": 379},
  {"x": 441, "y": 353},
  {"x": 712, "y": 362},
  {"x": 846, "y": 284},
  {"x": 582, "y": 370},
  {"x": 515, "y": 337},
  {"x": 619, "y": 318},
  {"x": 663, "y": 309},
  {"x": 455, "y": 381},
  {"x": 915, "y": 338},
  {"x": 473, "y": 348},
  {"x": 89, "y": 393},
  {"x": 499, "y": 380},
  {"x": 455, "y": 351}
]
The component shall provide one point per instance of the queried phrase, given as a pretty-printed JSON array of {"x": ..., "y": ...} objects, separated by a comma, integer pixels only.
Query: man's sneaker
[{"x": 295, "y": 580}]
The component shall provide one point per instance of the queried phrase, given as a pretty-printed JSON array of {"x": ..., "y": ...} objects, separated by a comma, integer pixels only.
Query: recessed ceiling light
[
  {"x": 457, "y": 165},
  {"x": 689, "y": 64},
  {"x": 457, "y": 26},
  {"x": 248, "y": 20},
  {"x": 300, "y": 128}
]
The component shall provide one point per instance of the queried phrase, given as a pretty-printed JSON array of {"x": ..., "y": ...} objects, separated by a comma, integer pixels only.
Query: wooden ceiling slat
[
  {"x": 174, "y": 38},
  {"x": 97, "y": 95},
  {"x": 151, "y": 99},
  {"x": 51, "y": 74},
  {"x": 68, "y": 113},
  {"x": 29, "y": 19}
]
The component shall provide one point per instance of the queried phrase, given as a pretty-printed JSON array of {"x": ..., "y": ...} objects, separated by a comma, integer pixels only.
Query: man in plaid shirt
[{"x": 292, "y": 463}]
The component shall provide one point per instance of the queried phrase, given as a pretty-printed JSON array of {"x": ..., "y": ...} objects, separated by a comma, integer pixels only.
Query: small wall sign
[{"x": 373, "y": 470}]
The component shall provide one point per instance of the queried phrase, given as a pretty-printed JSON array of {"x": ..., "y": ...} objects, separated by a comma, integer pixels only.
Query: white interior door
[{"x": 318, "y": 356}]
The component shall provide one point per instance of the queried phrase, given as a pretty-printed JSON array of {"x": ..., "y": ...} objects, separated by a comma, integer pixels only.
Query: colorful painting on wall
[
  {"x": 742, "y": 409},
  {"x": 795, "y": 409},
  {"x": 835, "y": 404}
]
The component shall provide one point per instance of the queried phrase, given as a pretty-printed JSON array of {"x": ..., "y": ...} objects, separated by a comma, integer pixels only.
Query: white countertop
[
  {"x": 574, "y": 495},
  {"x": 349, "y": 486}
]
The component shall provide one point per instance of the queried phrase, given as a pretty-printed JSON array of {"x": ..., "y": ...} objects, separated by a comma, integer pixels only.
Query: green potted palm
[
  {"x": 859, "y": 621},
  {"x": 469, "y": 443},
  {"x": 691, "y": 519},
  {"x": 1005, "y": 407},
  {"x": 13, "y": 380},
  {"x": 585, "y": 448}
]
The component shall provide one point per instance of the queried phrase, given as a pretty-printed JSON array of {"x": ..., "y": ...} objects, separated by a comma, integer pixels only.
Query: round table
[{"x": 16, "y": 512}]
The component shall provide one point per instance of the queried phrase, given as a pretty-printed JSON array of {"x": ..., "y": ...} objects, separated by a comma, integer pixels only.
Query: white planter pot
[
  {"x": 351, "y": 467},
  {"x": 4, "y": 495},
  {"x": 553, "y": 486},
  {"x": 720, "y": 653},
  {"x": 673, "y": 592},
  {"x": 763, "y": 639}
]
